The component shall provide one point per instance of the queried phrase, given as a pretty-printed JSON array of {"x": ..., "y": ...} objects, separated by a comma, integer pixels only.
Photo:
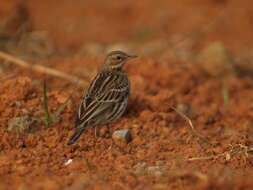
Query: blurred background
[
  {"x": 36, "y": 29},
  {"x": 64, "y": 25},
  {"x": 166, "y": 30}
]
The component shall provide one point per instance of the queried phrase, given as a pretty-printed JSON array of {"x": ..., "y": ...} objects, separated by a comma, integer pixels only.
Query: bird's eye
[{"x": 118, "y": 58}]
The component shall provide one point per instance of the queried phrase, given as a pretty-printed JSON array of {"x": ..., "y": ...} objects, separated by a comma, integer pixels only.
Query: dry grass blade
[
  {"x": 206, "y": 157},
  {"x": 192, "y": 128},
  {"x": 243, "y": 150},
  {"x": 42, "y": 69}
]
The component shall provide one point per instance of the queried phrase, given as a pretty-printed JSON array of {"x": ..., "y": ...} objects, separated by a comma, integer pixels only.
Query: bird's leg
[
  {"x": 103, "y": 132},
  {"x": 107, "y": 132}
]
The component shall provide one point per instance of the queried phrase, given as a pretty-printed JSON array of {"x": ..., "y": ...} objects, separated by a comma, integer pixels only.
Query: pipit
[{"x": 107, "y": 95}]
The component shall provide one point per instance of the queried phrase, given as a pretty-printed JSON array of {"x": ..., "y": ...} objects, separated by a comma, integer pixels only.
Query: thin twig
[
  {"x": 7, "y": 77},
  {"x": 42, "y": 69},
  {"x": 192, "y": 128},
  {"x": 227, "y": 155},
  {"x": 206, "y": 157}
]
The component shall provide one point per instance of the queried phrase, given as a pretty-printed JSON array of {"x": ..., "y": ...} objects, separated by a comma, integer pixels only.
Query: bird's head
[{"x": 116, "y": 59}]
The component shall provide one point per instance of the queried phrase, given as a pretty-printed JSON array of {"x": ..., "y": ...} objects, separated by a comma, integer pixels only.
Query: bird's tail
[{"x": 75, "y": 137}]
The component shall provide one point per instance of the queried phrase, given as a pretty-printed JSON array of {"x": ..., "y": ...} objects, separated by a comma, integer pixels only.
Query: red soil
[{"x": 160, "y": 136}]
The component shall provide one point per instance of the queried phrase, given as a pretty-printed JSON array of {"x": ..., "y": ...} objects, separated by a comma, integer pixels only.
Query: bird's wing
[{"x": 105, "y": 90}]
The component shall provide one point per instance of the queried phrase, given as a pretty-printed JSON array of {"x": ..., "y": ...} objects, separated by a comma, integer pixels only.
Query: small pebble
[
  {"x": 156, "y": 171},
  {"x": 69, "y": 161},
  {"x": 17, "y": 104},
  {"x": 143, "y": 168},
  {"x": 122, "y": 135},
  {"x": 21, "y": 125},
  {"x": 140, "y": 168}
]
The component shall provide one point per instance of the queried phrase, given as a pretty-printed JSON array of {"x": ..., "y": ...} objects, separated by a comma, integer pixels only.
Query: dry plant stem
[
  {"x": 7, "y": 77},
  {"x": 227, "y": 155},
  {"x": 42, "y": 69},
  {"x": 192, "y": 128},
  {"x": 206, "y": 157}
]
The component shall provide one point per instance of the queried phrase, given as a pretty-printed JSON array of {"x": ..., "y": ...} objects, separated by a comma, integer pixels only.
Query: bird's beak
[{"x": 132, "y": 56}]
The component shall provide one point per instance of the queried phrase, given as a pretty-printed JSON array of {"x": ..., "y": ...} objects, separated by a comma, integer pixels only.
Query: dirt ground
[{"x": 194, "y": 55}]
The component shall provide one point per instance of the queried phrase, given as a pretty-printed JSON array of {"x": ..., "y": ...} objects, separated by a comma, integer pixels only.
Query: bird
[{"x": 107, "y": 96}]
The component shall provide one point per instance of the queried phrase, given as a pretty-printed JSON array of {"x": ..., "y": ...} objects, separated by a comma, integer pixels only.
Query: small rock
[
  {"x": 156, "y": 171},
  {"x": 148, "y": 145},
  {"x": 122, "y": 135},
  {"x": 69, "y": 161},
  {"x": 17, "y": 104},
  {"x": 21, "y": 125},
  {"x": 140, "y": 168},
  {"x": 215, "y": 60},
  {"x": 25, "y": 111},
  {"x": 143, "y": 168}
]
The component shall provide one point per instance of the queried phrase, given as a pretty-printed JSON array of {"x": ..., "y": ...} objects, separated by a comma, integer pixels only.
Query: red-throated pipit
[{"x": 107, "y": 95}]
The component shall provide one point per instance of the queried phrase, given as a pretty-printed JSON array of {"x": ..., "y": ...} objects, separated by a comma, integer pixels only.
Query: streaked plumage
[{"x": 107, "y": 95}]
